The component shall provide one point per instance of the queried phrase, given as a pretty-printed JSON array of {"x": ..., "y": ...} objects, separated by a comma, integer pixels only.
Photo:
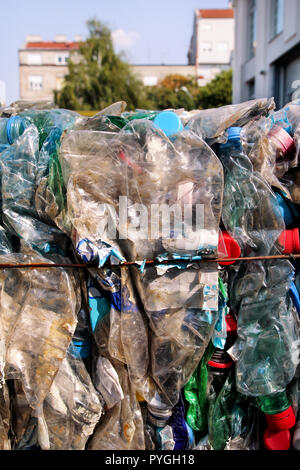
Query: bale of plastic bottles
[{"x": 149, "y": 278}]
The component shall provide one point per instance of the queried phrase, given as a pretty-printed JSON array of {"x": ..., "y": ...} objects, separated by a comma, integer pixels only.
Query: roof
[
  {"x": 52, "y": 45},
  {"x": 216, "y": 13}
]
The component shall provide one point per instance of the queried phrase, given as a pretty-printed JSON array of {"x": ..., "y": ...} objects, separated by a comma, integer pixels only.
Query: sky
[{"x": 148, "y": 31}]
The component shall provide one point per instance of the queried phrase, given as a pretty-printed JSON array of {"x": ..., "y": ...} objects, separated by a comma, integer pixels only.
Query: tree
[
  {"x": 97, "y": 76},
  {"x": 174, "y": 91},
  {"x": 216, "y": 93}
]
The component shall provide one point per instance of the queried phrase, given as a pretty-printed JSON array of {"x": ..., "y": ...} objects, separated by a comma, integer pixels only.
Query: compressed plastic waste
[{"x": 144, "y": 329}]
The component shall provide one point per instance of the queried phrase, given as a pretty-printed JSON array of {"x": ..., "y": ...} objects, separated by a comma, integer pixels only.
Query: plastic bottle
[
  {"x": 284, "y": 149},
  {"x": 290, "y": 212},
  {"x": 221, "y": 363},
  {"x": 251, "y": 214},
  {"x": 11, "y": 129},
  {"x": 280, "y": 418}
]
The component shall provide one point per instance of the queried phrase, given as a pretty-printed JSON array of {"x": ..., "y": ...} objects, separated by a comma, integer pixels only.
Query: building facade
[
  {"x": 212, "y": 43},
  {"x": 267, "y": 51},
  {"x": 152, "y": 74},
  {"x": 43, "y": 66}
]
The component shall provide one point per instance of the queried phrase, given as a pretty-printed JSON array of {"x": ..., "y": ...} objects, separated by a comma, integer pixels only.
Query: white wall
[
  {"x": 268, "y": 49},
  {"x": 216, "y": 32}
]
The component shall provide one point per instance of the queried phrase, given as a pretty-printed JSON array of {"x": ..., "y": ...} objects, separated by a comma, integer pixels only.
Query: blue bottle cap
[
  {"x": 234, "y": 133},
  {"x": 169, "y": 122}
]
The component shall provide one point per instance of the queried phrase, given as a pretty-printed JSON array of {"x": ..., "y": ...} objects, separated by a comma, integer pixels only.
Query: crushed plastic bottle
[{"x": 159, "y": 340}]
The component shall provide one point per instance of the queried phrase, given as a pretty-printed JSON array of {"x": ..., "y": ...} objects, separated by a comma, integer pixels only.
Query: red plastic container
[
  {"x": 290, "y": 240},
  {"x": 232, "y": 248}
]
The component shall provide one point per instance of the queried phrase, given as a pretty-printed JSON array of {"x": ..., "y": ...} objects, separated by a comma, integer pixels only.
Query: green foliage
[
  {"x": 177, "y": 91},
  {"x": 216, "y": 93},
  {"x": 174, "y": 91},
  {"x": 97, "y": 76}
]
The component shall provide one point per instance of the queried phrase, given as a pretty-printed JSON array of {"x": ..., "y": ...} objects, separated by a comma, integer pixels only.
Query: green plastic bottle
[{"x": 275, "y": 403}]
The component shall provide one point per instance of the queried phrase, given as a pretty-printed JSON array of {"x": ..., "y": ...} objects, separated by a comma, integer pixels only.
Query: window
[
  {"x": 34, "y": 59},
  {"x": 35, "y": 82},
  {"x": 252, "y": 29},
  {"x": 277, "y": 17},
  {"x": 222, "y": 46},
  {"x": 62, "y": 59},
  {"x": 150, "y": 81},
  {"x": 206, "y": 46},
  {"x": 251, "y": 89}
]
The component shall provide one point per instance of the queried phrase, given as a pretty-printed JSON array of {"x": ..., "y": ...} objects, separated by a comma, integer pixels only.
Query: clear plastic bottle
[{"x": 268, "y": 338}]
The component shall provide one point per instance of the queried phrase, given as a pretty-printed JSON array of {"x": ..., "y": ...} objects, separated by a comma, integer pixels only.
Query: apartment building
[
  {"x": 267, "y": 51},
  {"x": 212, "y": 43},
  {"x": 43, "y": 66}
]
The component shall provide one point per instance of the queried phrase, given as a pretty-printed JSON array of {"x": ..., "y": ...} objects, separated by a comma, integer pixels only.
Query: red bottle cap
[
  {"x": 231, "y": 323},
  {"x": 281, "y": 421},
  {"x": 219, "y": 365},
  {"x": 282, "y": 139},
  {"x": 277, "y": 440},
  {"x": 290, "y": 240},
  {"x": 232, "y": 248}
]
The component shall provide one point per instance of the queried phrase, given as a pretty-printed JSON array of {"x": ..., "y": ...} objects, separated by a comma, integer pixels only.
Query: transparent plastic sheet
[
  {"x": 144, "y": 166},
  {"x": 4, "y": 418},
  {"x": 212, "y": 123},
  {"x": 72, "y": 408},
  {"x": 267, "y": 348},
  {"x": 38, "y": 316},
  {"x": 122, "y": 426},
  {"x": 182, "y": 309}
]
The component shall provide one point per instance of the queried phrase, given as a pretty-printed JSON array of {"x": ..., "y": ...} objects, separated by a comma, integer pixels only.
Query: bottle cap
[
  {"x": 220, "y": 360},
  {"x": 231, "y": 323},
  {"x": 169, "y": 122},
  {"x": 232, "y": 247},
  {"x": 282, "y": 139},
  {"x": 234, "y": 133},
  {"x": 277, "y": 440},
  {"x": 281, "y": 421},
  {"x": 290, "y": 240}
]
